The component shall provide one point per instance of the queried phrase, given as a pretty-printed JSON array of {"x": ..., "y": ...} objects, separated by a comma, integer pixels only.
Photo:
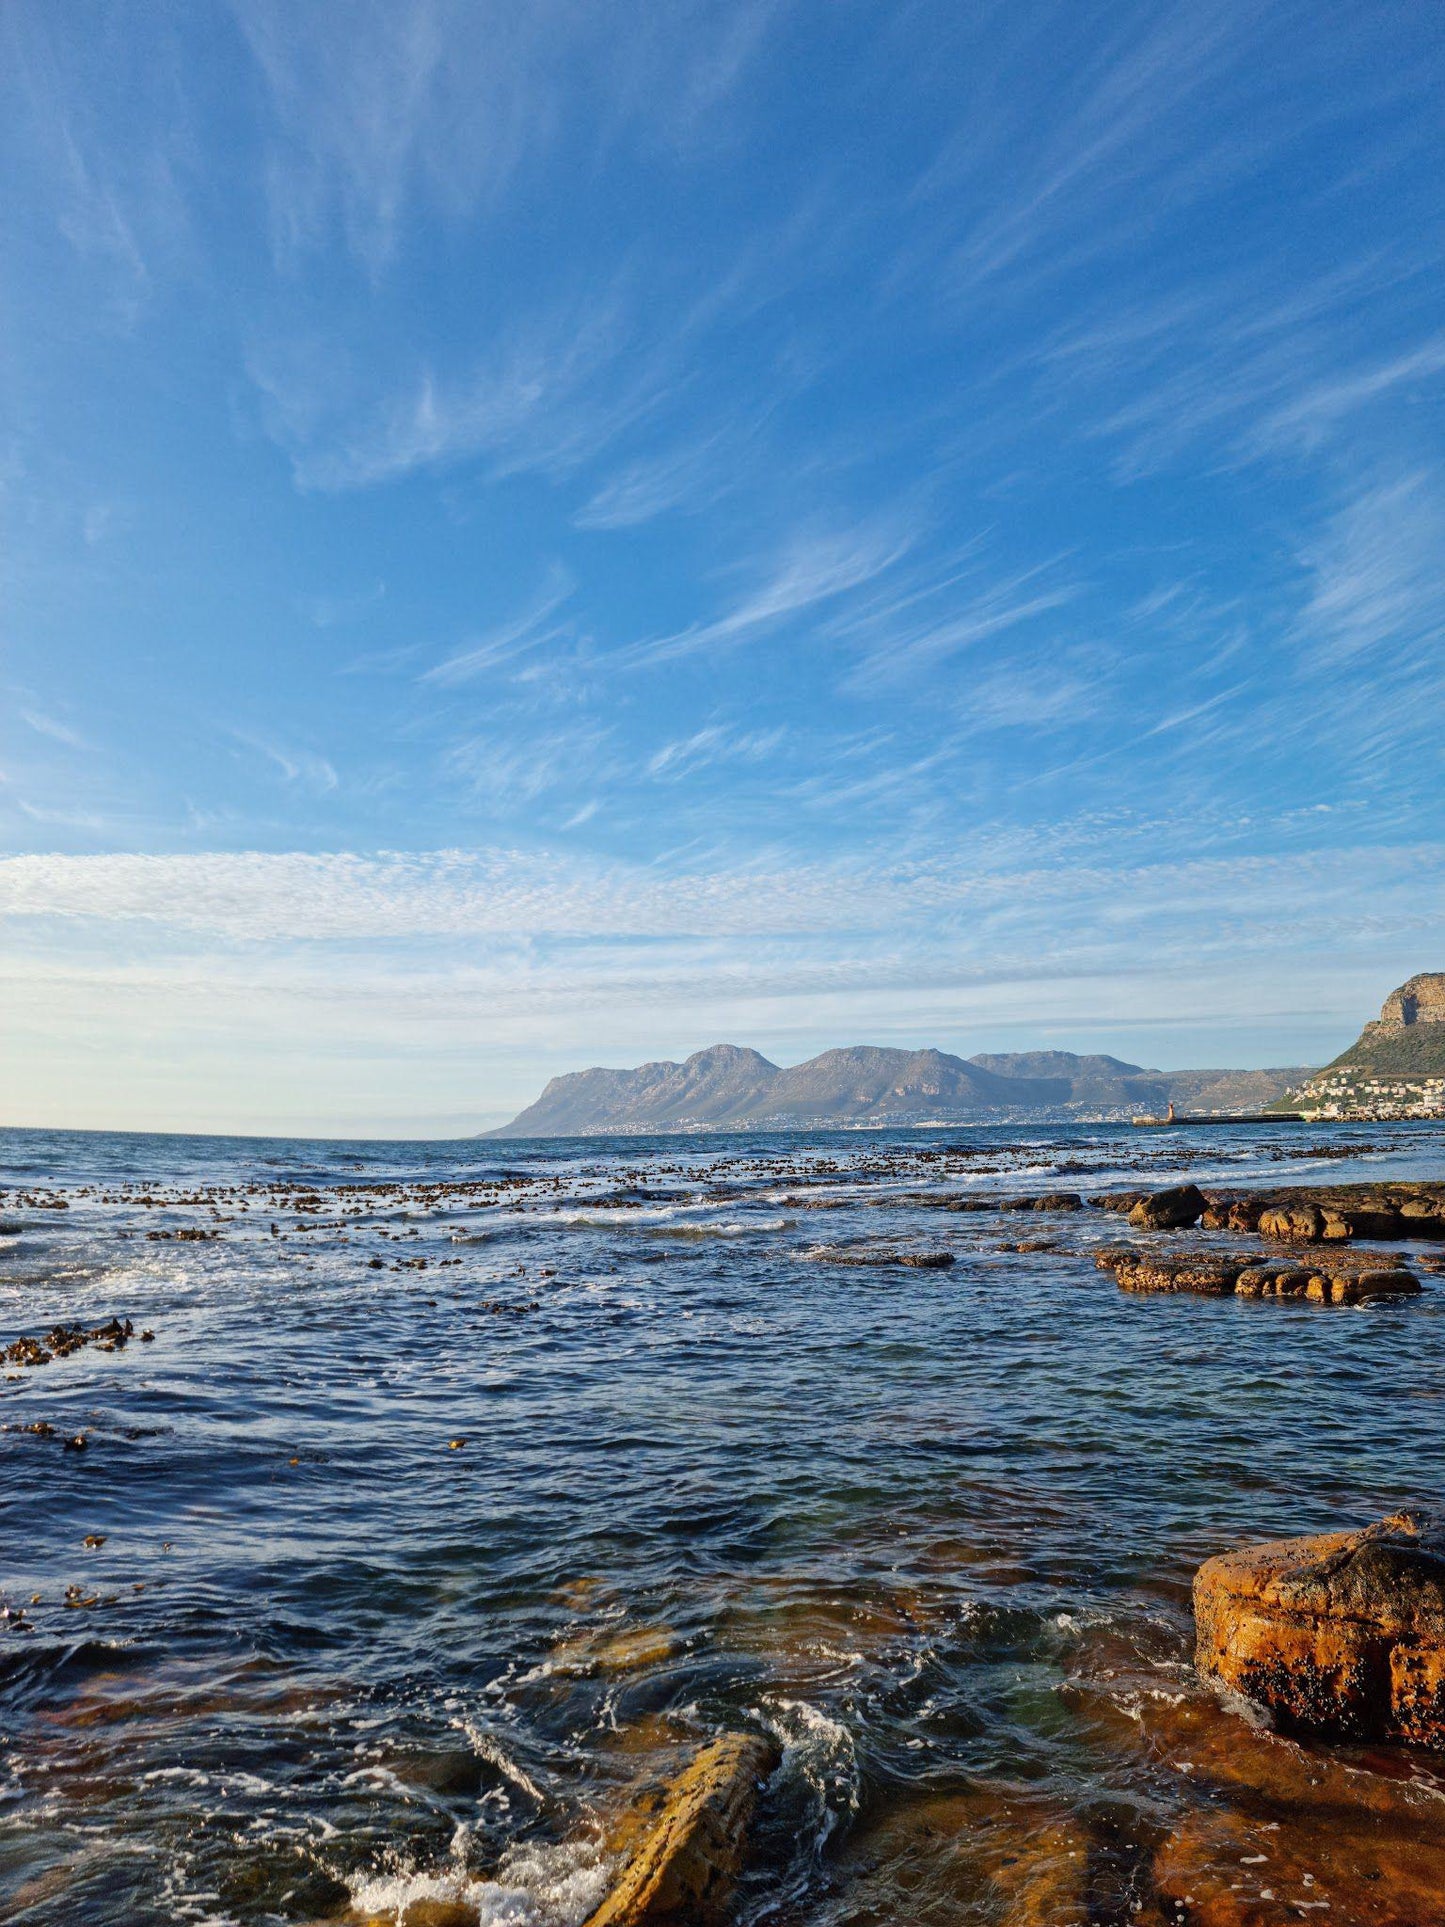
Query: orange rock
[
  {"x": 685, "y": 1864},
  {"x": 1230, "y": 1870},
  {"x": 1271, "y": 1829},
  {"x": 1342, "y": 1635},
  {"x": 995, "y": 1852}
]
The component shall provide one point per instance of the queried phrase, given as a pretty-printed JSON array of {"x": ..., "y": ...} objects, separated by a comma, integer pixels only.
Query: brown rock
[
  {"x": 1343, "y": 1283},
  {"x": 1046, "y": 1201},
  {"x": 1110, "y": 1257},
  {"x": 995, "y": 1852},
  {"x": 1244, "y": 1214},
  {"x": 1292, "y": 1223},
  {"x": 1341, "y": 1635},
  {"x": 1339, "y": 1214},
  {"x": 1200, "y": 1273},
  {"x": 1171, "y": 1210},
  {"x": 685, "y": 1864},
  {"x": 1268, "y": 1829},
  {"x": 1121, "y": 1202},
  {"x": 1210, "y": 1273},
  {"x": 1227, "y": 1869},
  {"x": 413, "y": 1913}
]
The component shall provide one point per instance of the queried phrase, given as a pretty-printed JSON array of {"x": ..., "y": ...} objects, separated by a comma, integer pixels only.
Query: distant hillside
[
  {"x": 1396, "y": 1066},
  {"x": 726, "y": 1088}
]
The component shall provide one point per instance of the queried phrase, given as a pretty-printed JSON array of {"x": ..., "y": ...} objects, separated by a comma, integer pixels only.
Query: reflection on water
[{"x": 463, "y": 1486}]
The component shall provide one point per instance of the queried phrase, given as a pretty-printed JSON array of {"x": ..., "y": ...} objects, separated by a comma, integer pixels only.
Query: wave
[{"x": 533, "y": 1886}]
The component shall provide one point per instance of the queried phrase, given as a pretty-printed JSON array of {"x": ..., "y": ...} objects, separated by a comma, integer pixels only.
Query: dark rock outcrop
[
  {"x": 1341, "y": 1635},
  {"x": 1334, "y": 1214},
  {"x": 1172, "y": 1210}
]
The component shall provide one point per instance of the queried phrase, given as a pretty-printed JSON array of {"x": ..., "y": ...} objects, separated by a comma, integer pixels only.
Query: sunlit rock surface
[{"x": 1341, "y": 1634}]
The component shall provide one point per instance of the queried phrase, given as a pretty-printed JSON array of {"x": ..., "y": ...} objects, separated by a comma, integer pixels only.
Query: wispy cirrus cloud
[
  {"x": 506, "y": 770},
  {"x": 532, "y": 629},
  {"x": 811, "y": 570},
  {"x": 305, "y": 768},
  {"x": 548, "y": 394},
  {"x": 691, "y": 477},
  {"x": 714, "y": 743},
  {"x": 1310, "y": 417},
  {"x": 939, "y": 615},
  {"x": 1379, "y": 573},
  {"x": 53, "y": 728},
  {"x": 437, "y": 107}
]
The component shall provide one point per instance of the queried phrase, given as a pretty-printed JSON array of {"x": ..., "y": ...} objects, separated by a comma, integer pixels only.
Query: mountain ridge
[{"x": 731, "y": 1087}]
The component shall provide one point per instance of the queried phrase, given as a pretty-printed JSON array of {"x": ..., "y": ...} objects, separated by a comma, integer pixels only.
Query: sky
[{"x": 536, "y": 534}]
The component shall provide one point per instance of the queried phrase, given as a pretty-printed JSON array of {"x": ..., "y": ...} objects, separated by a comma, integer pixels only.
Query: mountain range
[{"x": 728, "y": 1087}]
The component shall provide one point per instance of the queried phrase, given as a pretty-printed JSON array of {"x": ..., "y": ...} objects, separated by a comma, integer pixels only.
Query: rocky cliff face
[
  {"x": 1421, "y": 1001},
  {"x": 726, "y": 1088},
  {"x": 1395, "y": 1068}
]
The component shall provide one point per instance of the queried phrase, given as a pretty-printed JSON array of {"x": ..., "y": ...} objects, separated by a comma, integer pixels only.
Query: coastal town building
[{"x": 1395, "y": 1069}]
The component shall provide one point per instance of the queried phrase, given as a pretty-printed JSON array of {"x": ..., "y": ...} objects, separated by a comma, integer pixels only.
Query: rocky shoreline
[
  {"x": 1293, "y": 1765},
  {"x": 1338, "y": 1639}
]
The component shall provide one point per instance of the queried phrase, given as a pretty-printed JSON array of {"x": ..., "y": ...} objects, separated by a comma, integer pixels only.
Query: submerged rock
[
  {"x": 879, "y": 1255},
  {"x": 632, "y": 1650},
  {"x": 687, "y": 1860},
  {"x": 1340, "y": 1635},
  {"x": 1228, "y": 1869},
  {"x": 426, "y": 1913},
  {"x": 996, "y": 1851},
  {"x": 1252, "y": 1828}
]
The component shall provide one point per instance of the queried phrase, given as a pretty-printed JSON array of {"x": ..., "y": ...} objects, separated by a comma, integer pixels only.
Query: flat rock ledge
[
  {"x": 1292, "y": 1214},
  {"x": 1341, "y": 1636},
  {"x": 1342, "y": 1279},
  {"x": 685, "y": 1863}
]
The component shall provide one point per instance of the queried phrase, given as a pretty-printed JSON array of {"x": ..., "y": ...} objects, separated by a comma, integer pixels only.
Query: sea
[{"x": 441, "y": 1495}]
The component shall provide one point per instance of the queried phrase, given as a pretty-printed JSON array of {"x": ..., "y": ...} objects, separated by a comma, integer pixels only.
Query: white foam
[
  {"x": 820, "y": 1751},
  {"x": 486, "y": 1748},
  {"x": 534, "y": 1886}
]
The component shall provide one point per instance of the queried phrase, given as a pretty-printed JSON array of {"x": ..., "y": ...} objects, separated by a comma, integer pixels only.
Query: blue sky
[{"x": 540, "y": 534}]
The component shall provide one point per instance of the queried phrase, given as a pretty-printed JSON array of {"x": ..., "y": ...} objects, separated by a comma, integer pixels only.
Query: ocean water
[{"x": 461, "y": 1485}]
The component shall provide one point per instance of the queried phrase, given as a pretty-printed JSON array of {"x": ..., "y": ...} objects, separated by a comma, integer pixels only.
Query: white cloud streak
[
  {"x": 532, "y": 629},
  {"x": 811, "y": 570}
]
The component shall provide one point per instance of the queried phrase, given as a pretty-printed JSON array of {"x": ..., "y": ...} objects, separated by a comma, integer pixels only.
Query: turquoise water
[{"x": 700, "y": 1478}]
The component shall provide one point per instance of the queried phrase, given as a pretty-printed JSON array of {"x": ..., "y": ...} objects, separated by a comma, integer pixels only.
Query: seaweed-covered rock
[{"x": 1340, "y": 1635}]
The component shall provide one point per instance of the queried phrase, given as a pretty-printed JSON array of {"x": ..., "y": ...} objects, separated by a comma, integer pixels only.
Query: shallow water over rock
[{"x": 463, "y": 1488}]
